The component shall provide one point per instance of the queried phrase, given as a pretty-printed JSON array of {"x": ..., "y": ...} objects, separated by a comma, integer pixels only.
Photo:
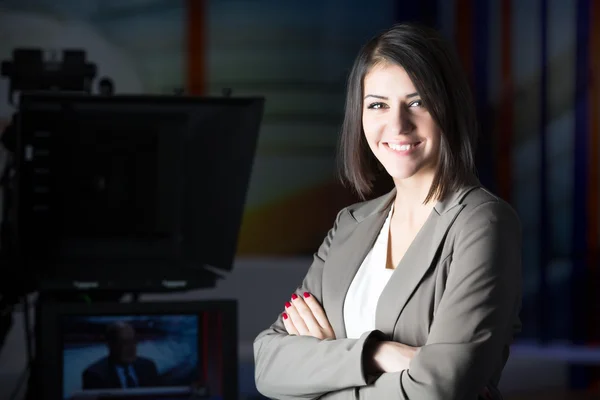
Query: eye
[
  {"x": 376, "y": 106},
  {"x": 416, "y": 103}
]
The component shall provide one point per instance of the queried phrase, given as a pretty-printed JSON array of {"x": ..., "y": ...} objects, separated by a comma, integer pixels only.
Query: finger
[
  {"x": 297, "y": 320},
  {"x": 487, "y": 393},
  {"x": 307, "y": 316},
  {"x": 317, "y": 311},
  {"x": 289, "y": 325}
]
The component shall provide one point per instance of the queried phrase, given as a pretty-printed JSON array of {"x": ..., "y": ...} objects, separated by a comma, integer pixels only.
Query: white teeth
[{"x": 398, "y": 147}]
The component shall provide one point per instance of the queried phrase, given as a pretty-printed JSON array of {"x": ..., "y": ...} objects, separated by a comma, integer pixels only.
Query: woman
[{"x": 415, "y": 294}]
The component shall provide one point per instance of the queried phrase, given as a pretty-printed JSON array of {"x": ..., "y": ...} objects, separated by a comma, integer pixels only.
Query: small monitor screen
[{"x": 158, "y": 357}]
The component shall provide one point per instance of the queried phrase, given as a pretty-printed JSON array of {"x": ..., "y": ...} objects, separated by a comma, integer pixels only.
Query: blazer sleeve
[
  {"x": 304, "y": 367},
  {"x": 474, "y": 320}
]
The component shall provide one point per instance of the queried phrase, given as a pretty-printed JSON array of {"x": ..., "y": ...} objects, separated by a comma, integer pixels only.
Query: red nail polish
[
  {"x": 288, "y": 304},
  {"x": 306, "y": 295},
  {"x": 294, "y": 296},
  {"x": 284, "y": 315}
]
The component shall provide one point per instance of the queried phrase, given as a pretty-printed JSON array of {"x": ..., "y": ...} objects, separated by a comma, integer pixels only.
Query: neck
[{"x": 410, "y": 197}]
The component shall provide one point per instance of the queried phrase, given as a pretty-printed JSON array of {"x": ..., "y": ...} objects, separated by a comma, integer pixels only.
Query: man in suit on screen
[{"x": 122, "y": 368}]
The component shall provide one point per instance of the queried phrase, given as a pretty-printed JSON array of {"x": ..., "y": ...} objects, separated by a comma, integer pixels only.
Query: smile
[{"x": 403, "y": 148}]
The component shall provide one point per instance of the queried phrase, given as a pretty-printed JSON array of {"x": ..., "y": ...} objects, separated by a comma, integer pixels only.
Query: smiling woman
[{"x": 414, "y": 294}]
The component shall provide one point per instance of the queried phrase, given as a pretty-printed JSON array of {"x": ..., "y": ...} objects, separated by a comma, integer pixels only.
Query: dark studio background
[{"x": 534, "y": 67}]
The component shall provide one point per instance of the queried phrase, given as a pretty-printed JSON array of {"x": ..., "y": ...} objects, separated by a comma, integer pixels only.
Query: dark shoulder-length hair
[{"x": 437, "y": 74}]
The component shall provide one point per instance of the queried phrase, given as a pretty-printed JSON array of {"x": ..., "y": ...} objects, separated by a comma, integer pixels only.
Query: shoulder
[
  {"x": 99, "y": 366},
  {"x": 145, "y": 362},
  {"x": 482, "y": 206},
  {"x": 481, "y": 210}
]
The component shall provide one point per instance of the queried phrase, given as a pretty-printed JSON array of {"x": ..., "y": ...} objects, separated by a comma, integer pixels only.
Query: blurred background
[{"x": 534, "y": 67}]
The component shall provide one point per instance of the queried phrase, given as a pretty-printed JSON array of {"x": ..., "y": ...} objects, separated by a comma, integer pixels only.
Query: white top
[{"x": 366, "y": 287}]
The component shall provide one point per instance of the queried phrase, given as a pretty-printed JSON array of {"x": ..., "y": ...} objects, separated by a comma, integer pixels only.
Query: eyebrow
[{"x": 408, "y": 96}]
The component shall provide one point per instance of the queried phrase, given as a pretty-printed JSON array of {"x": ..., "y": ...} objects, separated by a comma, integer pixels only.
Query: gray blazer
[{"x": 456, "y": 294}]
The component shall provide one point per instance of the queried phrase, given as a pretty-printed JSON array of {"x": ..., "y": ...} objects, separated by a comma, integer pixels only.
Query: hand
[
  {"x": 487, "y": 394},
  {"x": 392, "y": 356},
  {"x": 305, "y": 317},
  {"x": 396, "y": 357}
]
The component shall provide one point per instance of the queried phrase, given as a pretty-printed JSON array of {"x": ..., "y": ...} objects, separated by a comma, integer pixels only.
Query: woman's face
[{"x": 398, "y": 127}]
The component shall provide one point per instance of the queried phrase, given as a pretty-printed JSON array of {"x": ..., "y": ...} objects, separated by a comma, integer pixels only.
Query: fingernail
[
  {"x": 306, "y": 295},
  {"x": 284, "y": 315},
  {"x": 488, "y": 395},
  {"x": 294, "y": 296},
  {"x": 288, "y": 304}
]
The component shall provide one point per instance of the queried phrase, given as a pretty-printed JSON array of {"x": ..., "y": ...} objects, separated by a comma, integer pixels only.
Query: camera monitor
[
  {"x": 132, "y": 192},
  {"x": 150, "y": 351}
]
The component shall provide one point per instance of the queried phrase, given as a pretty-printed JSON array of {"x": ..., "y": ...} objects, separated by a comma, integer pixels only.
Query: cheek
[
  {"x": 370, "y": 136},
  {"x": 370, "y": 127},
  {"x": 431, "y": 131},
  {"x": 437, "y": 138},
  {"x": 365, "y": 122}
]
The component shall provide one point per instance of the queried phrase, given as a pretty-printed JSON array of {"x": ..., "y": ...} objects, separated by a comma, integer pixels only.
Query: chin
[{"x": 401, "y": 174}]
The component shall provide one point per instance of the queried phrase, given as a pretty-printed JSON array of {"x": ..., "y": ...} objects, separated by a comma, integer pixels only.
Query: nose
[{"x": 399, "y": 122}]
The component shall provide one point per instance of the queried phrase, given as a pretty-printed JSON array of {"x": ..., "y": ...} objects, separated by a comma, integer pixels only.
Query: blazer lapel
[
  {"x": 418, "y": 259},
  {"x": 351, "y": 245}
]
